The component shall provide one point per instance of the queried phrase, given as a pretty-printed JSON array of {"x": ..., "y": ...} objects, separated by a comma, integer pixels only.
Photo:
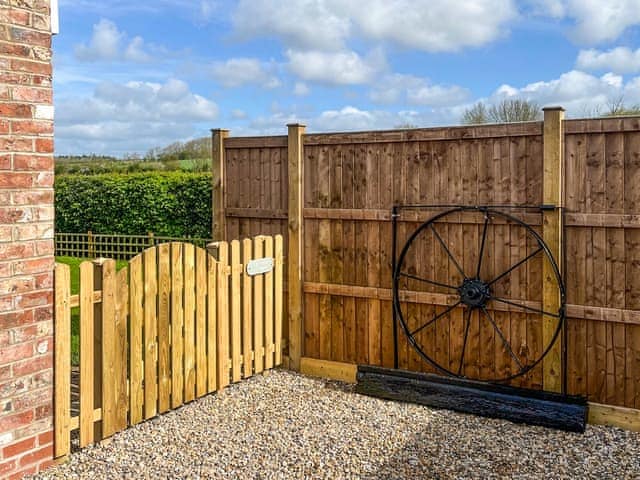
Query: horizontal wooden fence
[
  {"x": 346, "y": 185},
  {"x": 175, "y": 325},
  {"x": 115, "y": 246}
]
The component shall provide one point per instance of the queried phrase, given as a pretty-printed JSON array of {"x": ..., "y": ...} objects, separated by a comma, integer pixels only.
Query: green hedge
[{"x": 174, "y": 204}]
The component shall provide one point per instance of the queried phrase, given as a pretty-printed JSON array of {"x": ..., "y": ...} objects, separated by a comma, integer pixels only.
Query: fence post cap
[{"x": 553, "y": 108}]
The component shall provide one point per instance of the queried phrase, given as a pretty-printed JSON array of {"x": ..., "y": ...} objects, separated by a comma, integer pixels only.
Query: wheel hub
[{"x": 474, "y": 292}]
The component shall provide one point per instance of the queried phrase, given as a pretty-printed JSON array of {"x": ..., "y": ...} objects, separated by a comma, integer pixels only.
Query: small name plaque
[{"x": 260, "y": 266}]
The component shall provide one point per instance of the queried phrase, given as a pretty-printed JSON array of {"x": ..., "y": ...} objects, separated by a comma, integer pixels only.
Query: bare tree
[
  {"x": 506, "y": 111},
  {"x": 617, "y": 108},
  {"x": 476, "y": 114}
]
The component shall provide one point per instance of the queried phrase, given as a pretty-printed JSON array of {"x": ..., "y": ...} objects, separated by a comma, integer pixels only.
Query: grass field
[{"x": 74, "y": 266}]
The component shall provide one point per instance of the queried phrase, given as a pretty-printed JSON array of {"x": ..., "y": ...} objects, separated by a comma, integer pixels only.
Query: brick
[
  {"x": 31, "y": 231},
  {"x": 28, "y": 333},
  {"x": 5, "y": 164},
  {"x": 44, "y": 145},
  {"x": 33, "y": 400},
  {"x": 37, "y": 265},
  {"x": 14, "y": 387},
  {"x": 20, "y": 17},
  {"x": 22, "y": 473},
  {"x": 44, "y": 247},
  {"x": 31, "y": 94},
  {"x": 31, "y": 37},
  {"x": 17, "y": 285},
  {"x": 5, "y": 197},
  {"x": 16, "y": 250},
  {"x": 43, "y": 314},
  {"x": 44, "y": 280},
  {"x": 10, "y": 215},
  {"x": 15, "y": 353},
  {"x": 6, "y": 304},
  {"x": 42, "y": 53},
  {"x": 45, "y": 438},
  {"x": 16, "y": 144},
  {"x": 35, "y": 299},
  {"x": 6, "y": 233},
  {"x": 43, "y": 453},
  {"x": 16, "y": 180},
  {"x": 34, "y": 428},
  {"x": 32, "y": 197},
  {"x": 27, "y": 66},
  {"x": 13, "y": 78},
  {"x": 17, "y": 319},
  {"x": 6, "y": 467},
  {"x": 42, "y": 379},
  {"x": 8, "y": 48},
  {"x": 32, "y": 365},
  {"x": 15, "y": 110},
  {"x": 41, "y": 22},
  {"x": 19, "y": 448},
  {"x": 5, "y": 373},
  {"x": 17, "y": 420},
  {"x": 43, "y": 213},
  {"x": 4, "y": 125},
  {"x": 41, "y": 81},
  {"x": 31, "y": 162},
  {"x": 44, "y": 411}
]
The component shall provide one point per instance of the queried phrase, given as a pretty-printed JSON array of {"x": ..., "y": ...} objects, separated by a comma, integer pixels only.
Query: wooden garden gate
[{"x": 176, "y": 324}]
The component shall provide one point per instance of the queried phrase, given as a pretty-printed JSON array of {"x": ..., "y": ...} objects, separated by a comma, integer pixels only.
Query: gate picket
[
  {"x": 268, "y": 307},
  {"x": 189, "y": 318},
  {"x": 86, "y": 354},
  {"x": 136, "y": 397},
  {"x": 164, "y": 325},
  {"x": 176, "y": 326},
  {"x": 236, "y": 320},
  {"x": 150, "y": 332}
]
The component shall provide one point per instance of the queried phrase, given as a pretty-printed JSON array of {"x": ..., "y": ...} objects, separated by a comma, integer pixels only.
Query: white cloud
[
  {"x": 433, "y": 25},
  {"x": 429, "y": 25},
  {"x": 301, "y": 89},
  {"x": 577, "y": 91},
  {"x": 595, "y": 20},
  {"x": 134, "y": 116},
  {"x": 236, "y": 72},
  {"x": 303, "y": 24},
  {"x": 337, "y": 68},
  {"x": 618, "y": 60},
  {"x": 414, "y": 90},
  {"x": 110, "y": 44}
]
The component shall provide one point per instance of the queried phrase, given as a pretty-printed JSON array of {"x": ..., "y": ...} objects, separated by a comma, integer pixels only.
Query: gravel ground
[{"x": 284, "y": 425}]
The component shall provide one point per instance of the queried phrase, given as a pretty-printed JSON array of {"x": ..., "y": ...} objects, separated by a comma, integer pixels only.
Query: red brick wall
[{"x": 26, "y": 237}]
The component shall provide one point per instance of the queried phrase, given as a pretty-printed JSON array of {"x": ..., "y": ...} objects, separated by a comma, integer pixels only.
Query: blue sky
[{"x": 133, "y": 75}]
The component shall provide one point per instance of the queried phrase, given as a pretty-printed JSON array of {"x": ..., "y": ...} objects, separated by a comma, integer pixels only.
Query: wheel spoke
[
  {"x": 484, "y": 238},
  {"x": 466, "y": 336},
  {"x": 436, "y": 318},
  {"x": 525, "y": 307},
  {"x": 514, "y": 266},
  {"x": 420, "y": 279},
  {"x": 504, "y": 340},
  {"x": 453, "y": 259}
]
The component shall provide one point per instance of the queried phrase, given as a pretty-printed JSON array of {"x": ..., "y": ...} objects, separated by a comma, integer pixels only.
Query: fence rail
[
  {"x": 118, "y": 247},
  {"x": 176, "y": 324}
]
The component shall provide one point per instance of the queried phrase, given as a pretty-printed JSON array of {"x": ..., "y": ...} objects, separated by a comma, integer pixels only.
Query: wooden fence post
[
  {"x": 295, "y": 266},
  {"x": 219, "y": 226},
  {"x": 553, "y": 194}
]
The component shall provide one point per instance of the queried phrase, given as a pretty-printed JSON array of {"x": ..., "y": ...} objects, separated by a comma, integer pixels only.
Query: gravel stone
[{"x": 286, "y": 426}]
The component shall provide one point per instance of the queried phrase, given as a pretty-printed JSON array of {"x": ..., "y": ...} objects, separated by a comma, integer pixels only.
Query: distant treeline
[{"x": 191, "y": 156}]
